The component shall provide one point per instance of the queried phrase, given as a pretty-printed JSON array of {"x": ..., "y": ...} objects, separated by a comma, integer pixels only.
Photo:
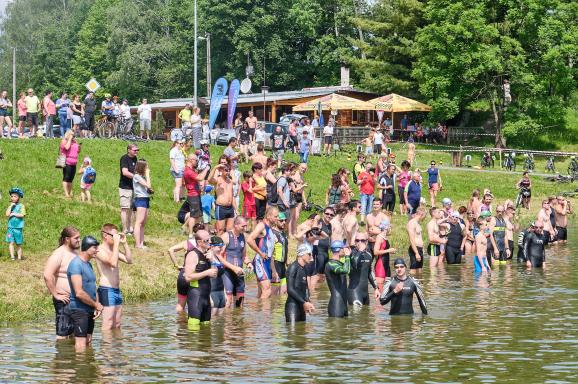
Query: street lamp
[
  {"x": 209, "y": 80},
  {"x": 195, "y": 60},
  {"x": 265, "y": 90}
]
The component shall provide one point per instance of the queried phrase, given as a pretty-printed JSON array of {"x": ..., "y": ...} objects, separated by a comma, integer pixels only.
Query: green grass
[{"x": 30, "y": 165}]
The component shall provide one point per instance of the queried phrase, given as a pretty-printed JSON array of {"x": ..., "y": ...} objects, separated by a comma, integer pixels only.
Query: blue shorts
[
  {"x": 14, "y": 235},
  {"x": 142, "y": 202},
  {"x": 224, "y": 212},
  {"x": 4, "y": 112},
  {"x": 262, "y": 268},
  {"x": 234, "y": 284},
  {"x": 176, "y": 175},
  {"x": 109, "y": 297}
]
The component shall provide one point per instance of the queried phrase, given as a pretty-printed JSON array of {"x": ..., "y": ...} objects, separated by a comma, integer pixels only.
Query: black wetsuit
[
  {"x": 297, "y": 293},
  {"x": 521, "y": 244},
  {"x": 500, "y": 238},
  {"x": 218, "y": 289},
  {"x": 198, "y": 303},
  {"x": 336, "y": 274},
  {"x": 454, "y": 244},
  {"x": 402, "y": 302},
  {"x": 323, "y": 248},
  {"x": 534, "y": 249},
  {"x": 281, "y": 249},
  {"x": 359, "y": 275}
]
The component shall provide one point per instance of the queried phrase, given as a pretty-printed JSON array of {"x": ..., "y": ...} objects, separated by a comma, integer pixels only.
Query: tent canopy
[
  {"x": 397, "y": 103},
  {"x": 334, "y": 102}
]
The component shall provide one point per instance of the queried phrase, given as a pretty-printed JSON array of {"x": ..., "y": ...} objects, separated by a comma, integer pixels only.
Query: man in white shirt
[
  {"x": 144, "y": 115},
  {"x": 328, "y": 137},
  {"x": 378, "y": 141}
]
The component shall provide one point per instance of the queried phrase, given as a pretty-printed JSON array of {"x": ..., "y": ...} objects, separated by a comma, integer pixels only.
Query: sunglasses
[
  {"x": 203, "y": 240},
  {"x": 361, "y": 240},
  {"x": 282, "y": 220},
  {"x": 499, "y": 211},
  {"x": 329, "y": 214}
]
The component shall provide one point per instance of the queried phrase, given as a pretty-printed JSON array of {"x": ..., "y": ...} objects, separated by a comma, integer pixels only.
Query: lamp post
[
  {"x": 207, "y": 37},
  {"x": 265, "y": 90},
  {"x": 195, "y": 60},
  {"x": 13, "y": 87}
]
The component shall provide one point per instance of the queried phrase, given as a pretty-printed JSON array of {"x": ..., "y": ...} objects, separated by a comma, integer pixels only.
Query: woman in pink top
[
  {"x": 49, "y": 111},
  {"x": 402, "y": 179},
  {"x": 21, "y": 114},
  {"x": 70, "y": 148}
]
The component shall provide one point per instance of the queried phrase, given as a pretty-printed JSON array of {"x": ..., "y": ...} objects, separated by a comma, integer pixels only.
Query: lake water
[{"x": 514, "y": 326}]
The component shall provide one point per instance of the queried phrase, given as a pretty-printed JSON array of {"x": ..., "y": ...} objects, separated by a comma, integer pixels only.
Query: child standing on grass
[
  {"x": 87, "y": 180},
  {"x": 249, "y": 205},
  {"x": 208, "y": 204},
  {"x": 15, "y": 214}
]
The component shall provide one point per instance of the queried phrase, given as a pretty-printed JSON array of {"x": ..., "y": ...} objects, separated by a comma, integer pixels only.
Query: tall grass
[{"x": 29, "y": 164}]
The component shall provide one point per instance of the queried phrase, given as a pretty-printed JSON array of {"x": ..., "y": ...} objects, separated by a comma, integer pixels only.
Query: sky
[{"x": 3, "y": 5}]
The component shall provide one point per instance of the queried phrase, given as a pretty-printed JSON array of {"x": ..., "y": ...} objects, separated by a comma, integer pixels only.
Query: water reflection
[{"x": 514, "y": 325}]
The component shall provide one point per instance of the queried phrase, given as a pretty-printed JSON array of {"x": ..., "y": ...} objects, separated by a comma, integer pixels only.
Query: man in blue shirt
[
  {"x": 413, "y": 193},
  {"x": 84, "y": 305}
]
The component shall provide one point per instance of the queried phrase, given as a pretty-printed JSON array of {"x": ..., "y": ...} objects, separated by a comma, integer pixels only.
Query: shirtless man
[
  {"x": 433, "y": 234},
  {"x": 224, "y": 211},
  {"x": 374, "y": 218},
  {"x": 562, "y": 208},
  {"x": 480, "y": 260},
  {"x": 544, "y": 217},
  {"x": 511, "y": 225},
  {"x": 260, "y": 156},
  {"x": 252, "y": 123},
  {"x": 415, "y": 240},
  {"x": 107, "y": 259},
  {"x": 350, "y": 224},
  {"x": 56, "y": 279},
  {"x": 337, "y": 229}
]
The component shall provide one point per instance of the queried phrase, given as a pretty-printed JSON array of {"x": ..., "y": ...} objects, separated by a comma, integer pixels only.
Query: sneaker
[{"x": 128, "y": 233}]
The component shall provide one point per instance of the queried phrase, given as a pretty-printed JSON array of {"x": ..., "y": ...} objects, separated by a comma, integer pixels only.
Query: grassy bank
[{"x": 30, "y": 165}]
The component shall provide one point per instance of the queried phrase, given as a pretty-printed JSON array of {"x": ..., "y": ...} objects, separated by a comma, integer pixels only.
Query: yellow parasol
[
  {"x": 334, "y": 102},
  {"x": 397, "y": 103}
]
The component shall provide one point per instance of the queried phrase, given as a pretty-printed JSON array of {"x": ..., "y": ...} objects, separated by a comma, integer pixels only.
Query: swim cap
[
  {"x": 282, "y": 216},
  {"x": 446, "y": 201},
  {"x": 216, "y": 241},
  {"x": 384, "y": 225},
  {"x": 87, "y": 242},
  {"x": 303, "y": 249},
  {"x": 337, "y": 245},
  {"x": 455, "y": 214},
  {"x": 208, "y": 188},
  {"x": 399, "y": 261},
  {"x": 485, "y": 214},
  {"x": 17, "y": 191}
]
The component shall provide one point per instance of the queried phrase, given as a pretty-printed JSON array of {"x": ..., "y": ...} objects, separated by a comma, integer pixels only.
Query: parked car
[
  {"x": 292, "y": 116},
  {"x": 224, "y": 135}
]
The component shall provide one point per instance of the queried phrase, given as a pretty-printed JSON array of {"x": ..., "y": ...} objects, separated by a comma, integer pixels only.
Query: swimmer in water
[
  {"x": 298, "y": 304},
  {"x": 400, "y": 291},
  {"x": 480, "y": 260},
  {"x": 336, "y": 271},
  {"x": 360, "y": 273},
  {"x": 534, "y": 250}
]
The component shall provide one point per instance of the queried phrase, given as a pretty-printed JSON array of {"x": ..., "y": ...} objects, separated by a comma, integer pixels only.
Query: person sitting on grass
[
  {"x": 87, "y": 180},
  {"x": 15, "y": 214}
]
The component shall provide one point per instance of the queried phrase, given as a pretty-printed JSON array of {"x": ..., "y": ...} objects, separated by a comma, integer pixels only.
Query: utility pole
[
  {"x": 195, "y": 49},
  {"x": 14, "y": 107},
  {"x": 209, "y": 79}
]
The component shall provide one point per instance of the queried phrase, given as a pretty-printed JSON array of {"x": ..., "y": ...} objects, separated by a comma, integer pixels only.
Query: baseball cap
[
  {"x": 208, "y": 188},
  {"x": 337, "y": 245},
  {"x": 303, "y": 249}
]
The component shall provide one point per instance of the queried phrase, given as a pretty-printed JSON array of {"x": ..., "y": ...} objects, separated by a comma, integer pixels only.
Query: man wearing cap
[
  {"x": 433, "y": 234},
  {"x": 107, "y": 259},
  {"x": 360, "y": 274},
  {"x": 415, "y": 249},
  {"x": 336, "y": 271},
  {"x": 400, "y": 290},
  {"x": 456, "y": 239},
  {"x": 298, "y": 303},
  {"x": 125, "y": 186},
  {"x": 434, "y": 181},
  {"x": 84, "y": 305},
  {"x": 412, "y": 193},
  {"x": 534, "y": 246}
]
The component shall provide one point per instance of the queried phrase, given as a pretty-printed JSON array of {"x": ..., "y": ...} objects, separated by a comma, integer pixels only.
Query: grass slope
[{"x": 30, "y": 165}]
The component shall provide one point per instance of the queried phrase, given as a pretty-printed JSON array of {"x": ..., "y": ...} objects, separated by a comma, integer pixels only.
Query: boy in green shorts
[{"x": 15, "y": 214}]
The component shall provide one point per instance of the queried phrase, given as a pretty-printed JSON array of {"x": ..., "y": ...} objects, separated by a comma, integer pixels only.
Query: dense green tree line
[{"x": 450, "y": 53}]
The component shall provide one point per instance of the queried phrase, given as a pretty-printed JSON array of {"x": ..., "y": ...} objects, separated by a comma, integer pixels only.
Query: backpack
[
  {"x": 89, "y": 176},
  {"x": 334, "y": 195},
  {"x": 355, "y": 173},
  {"x": 272, "y": 194}
]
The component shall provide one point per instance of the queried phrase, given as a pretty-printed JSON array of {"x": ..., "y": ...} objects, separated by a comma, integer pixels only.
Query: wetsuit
[
  {"x": 454, "y": 244},
  {"x": 263, "y": 266},
  {"x": 402, "y": 302},
  {"x": 521, "y": 245},
  {"x": 198, "y": 303},
  {"x": 500, "y": 238},
  {"x": 297, "y": 293},
  {"x": 182, "y": 284},
  {"x": 359, "y": 275},
  {"x": 336, "y": 274},
  {"x": 280, "y": 255},
  {"x": 388, "y": 195},
  {"x": 323, "y": 248},
  {"x": 382, "y": 269},
  {"x": 234, "y": 252},
  {"x": 218, "y": 288},
  {"x": 534, "y": 249}
]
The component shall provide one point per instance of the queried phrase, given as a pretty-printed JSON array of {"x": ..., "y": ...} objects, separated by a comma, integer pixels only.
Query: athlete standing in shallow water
[
  {"x": 336, "y": 272},
  {"x": 416, "y": 240},
  {"x": 481, "y": 245},
  {"x": 262, "y": 241},
  {"x": 233, "y": 259},
  {"x": 298, "y": 304},
  {"x": 534, "y": 243},
  {"x": 400, "y": 291},
  {"x": 360, "y": 273}
]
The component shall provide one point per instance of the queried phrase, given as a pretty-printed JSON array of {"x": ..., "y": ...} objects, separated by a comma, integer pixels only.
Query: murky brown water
[{"x": 515, "y": 326}]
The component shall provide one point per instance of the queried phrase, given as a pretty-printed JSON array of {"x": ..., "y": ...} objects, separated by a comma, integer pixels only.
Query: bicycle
[
  {"x": 509, "y": 162},
  {"x": 573, "y": 167},
  {"x": 550, "y": 167},
  {"x": 529, "y": 162},
  {"x": 487, "y": 160}
]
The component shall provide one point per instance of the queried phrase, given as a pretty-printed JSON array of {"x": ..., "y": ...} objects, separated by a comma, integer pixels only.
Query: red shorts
[
  {"x": 382, "y": 271},
  {"x": 250, "y": 211},
  {"x": 434, "y": 187}
]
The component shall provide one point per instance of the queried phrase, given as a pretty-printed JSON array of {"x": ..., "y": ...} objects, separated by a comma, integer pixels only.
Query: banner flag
[
  {"x": 219, "y": 92},
  {"x": 232, "y": 103}
]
